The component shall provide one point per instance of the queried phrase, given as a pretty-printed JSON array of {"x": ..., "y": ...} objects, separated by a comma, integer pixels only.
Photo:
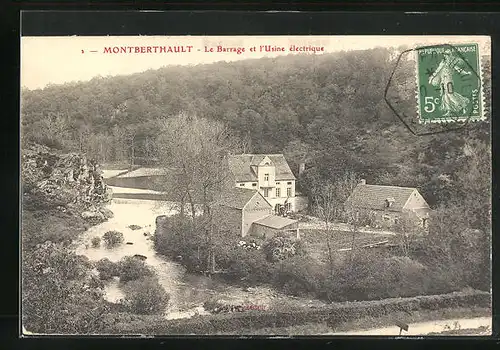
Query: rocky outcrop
[{"x": 63, "y": 181}]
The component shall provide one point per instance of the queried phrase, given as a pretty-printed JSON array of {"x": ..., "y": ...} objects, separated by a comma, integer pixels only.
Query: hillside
[{"x": 328, "y": 110}]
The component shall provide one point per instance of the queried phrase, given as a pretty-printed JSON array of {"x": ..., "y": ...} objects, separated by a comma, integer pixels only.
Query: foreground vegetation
[
  {"x": 372, "y": 322},
  {"x": 333, "y": 316}
]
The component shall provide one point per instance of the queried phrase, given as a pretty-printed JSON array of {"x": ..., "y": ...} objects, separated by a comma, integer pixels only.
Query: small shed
[{"x": 272, "y": 224}]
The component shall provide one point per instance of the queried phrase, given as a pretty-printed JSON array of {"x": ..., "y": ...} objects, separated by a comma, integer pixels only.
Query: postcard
[{"x": 256, "y": 185}]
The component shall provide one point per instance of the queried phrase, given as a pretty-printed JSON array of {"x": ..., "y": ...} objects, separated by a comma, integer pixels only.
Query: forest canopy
[{"x": 326, "y": 110}]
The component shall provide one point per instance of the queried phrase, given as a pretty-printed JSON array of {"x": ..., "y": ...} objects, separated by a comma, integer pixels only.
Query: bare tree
[
  {"x": 195, "y": 152},
  {"x": 408, "y": 230},
  {"x": 329, "y": 202},
  {"x": 326, "y": 209},
  {"x": 356, "y": 218}
]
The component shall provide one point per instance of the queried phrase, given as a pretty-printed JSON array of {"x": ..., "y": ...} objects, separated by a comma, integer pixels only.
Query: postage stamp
[{"x": 449, "y": 83}]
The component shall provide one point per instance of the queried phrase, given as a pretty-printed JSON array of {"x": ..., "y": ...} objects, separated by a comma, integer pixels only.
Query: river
[{"x": 187, "y": 291}]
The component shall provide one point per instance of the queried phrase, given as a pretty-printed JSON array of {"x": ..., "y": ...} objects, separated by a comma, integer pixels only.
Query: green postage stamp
[{"x": 449, "y": 83}]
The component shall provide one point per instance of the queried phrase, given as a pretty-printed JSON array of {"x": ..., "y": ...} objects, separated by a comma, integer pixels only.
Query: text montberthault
[{"x": 148, "y": 49}]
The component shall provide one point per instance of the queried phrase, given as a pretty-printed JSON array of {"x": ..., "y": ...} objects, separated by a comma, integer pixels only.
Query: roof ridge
[
  {"x": 257, "y": 154},
  {"x": 402, "y": 187}
]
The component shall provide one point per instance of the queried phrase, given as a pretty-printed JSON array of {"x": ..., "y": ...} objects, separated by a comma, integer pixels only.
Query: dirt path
[{"x": 423, "y": 328}]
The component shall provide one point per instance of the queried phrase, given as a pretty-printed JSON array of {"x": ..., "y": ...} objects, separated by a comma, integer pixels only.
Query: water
[{"x": 187, "y": 291}]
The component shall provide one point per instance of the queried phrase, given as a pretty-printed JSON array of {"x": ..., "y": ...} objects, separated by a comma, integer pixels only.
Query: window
[
  {"x": 266, "y": 177},
  {"x": 242, "y": 184},
  {"x": 266, "y": 192},
  {"x": 278, "y": 192},
  {"x": 277, "y": 183},
  {"x": 288, "y": 192},
  {"x": 289, "y": 183},
  {"x": 254, "y": 184}
]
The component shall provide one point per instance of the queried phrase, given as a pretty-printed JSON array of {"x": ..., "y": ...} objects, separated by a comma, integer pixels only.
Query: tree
[
  {"x": 408, "y": 230},
  {"x": 329, "y": 202},
  {"x": 195, "y": 152}
]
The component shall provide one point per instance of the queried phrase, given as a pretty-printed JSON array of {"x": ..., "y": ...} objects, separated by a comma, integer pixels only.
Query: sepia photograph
[{"x": 255, "y": 185}]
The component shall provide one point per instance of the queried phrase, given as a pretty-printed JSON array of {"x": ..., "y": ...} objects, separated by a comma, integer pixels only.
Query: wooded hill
[{"x": 327, "y": 110}]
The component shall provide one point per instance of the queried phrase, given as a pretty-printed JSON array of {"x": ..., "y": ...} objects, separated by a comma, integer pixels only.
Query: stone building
[
  {"x": 388, "y": 205},
  {"x": 246, "y": 212}
]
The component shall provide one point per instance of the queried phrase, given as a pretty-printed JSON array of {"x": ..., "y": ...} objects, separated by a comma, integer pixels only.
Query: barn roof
[
  {"x": 237, "y": 197},
  {"x": 374, "y": 197},
  {"x": 276, "y": 222},
  {"x": 241, "y": 166}
]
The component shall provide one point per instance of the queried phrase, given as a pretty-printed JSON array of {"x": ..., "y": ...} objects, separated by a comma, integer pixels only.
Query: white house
[{"x": 269, "y": 174}]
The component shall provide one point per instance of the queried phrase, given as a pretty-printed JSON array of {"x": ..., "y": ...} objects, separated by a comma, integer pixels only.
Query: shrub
[
  {"x": 146, "y": 296},
  {"x": 96, "y": 242},
  {"x": 107, "y": 269},
  {"x": 134, "y": 227},
  {"x": 298, "y": 276},
  {"x": 282, "y": 247},
  {"x": 131, "y": 268},
  {"x": 175, "y": 236},
  {"x": 113, "y": 238}
]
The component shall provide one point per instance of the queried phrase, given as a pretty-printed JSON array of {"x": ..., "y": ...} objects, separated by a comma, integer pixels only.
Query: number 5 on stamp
[{"x": 449, "y": 80}]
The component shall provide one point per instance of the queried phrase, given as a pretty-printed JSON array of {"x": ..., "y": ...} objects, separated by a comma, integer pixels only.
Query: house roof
[
  {"x": 374, "y": 197},
  {"x": 143, "y": 172},
  {"x": 241, "y": 166},
  {"x": 237, "y": 197},
  {"x": 276, "y": 222}
]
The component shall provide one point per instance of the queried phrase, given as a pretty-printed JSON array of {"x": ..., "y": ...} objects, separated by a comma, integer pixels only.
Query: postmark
[{"x": 449, "y": 83}]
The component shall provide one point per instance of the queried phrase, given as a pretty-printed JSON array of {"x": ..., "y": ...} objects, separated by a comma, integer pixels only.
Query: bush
[
  {"x": 96, "y": 242},
  {"x": 175, "y": 236},
  {"x": 282, "y": 247},
  {"x": 134, "y": 227},
  {"x": 113, "y": 238},
  {"x": 146, "y": 296},
  {"x": 298, "y": 276},
  {"x": 131, "y": 268},
  {"x": 107, "y": 269}
]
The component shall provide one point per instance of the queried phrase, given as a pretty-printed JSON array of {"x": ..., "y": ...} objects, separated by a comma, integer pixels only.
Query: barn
[{"x": 247, "y": 213}]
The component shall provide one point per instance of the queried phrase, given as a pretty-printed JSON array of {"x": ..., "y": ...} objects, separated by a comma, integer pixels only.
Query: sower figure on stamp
[{"x": 451, "y": 101}]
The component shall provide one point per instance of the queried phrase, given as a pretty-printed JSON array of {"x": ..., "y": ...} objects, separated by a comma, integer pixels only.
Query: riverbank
[
  {"x": 188, "y": 292},
  {"x": 335, "y": 316}
]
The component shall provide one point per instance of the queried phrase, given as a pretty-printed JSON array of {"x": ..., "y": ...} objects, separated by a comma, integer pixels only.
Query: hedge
[{"x": 332, "y": 315}]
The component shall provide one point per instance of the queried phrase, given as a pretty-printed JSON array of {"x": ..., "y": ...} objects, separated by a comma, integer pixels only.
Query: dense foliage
[{"x": 327, "y": 111}]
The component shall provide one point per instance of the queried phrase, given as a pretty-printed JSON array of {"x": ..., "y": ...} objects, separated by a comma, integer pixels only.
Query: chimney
[
  {"x": 362, "y": 182},
  {"x": 302, "y": 167}
]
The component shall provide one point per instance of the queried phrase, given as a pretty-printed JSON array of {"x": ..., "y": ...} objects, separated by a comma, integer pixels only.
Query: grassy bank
[
  {"x": 334, "y": 316},
  {"x": 372, "y": 322}
]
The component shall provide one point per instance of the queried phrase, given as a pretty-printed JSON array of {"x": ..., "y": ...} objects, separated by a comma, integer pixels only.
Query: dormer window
[{"x": 389, "y": 202}]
